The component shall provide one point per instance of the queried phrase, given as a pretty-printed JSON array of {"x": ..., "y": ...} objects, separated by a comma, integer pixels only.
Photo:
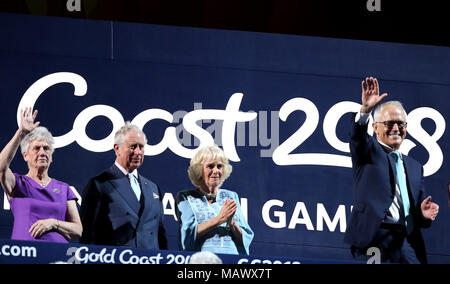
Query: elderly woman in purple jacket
[{"x": 44, "y": 208}]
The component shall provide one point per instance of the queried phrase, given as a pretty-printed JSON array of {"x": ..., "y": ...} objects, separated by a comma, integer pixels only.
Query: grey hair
[
  {"x": 205, "y": 257},
  {"x": 379, "y": 108},
  {"x": 127, "y": 127},
  {"x": 203, "y": 155},
  {"x": 39, "y": 133}
]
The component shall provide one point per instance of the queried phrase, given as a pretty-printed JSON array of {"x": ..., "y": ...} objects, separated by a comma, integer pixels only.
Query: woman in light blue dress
[{"x": 210, "y": 218}]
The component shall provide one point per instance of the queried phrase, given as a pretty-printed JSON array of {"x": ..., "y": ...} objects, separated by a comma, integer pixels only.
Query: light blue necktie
[
  {"x": 401, "y": 182},
  {"x": 135, "y": 186}
]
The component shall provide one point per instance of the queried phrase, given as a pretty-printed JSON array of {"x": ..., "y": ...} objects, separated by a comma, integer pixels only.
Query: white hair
[
  {"x": 379, "y": 108},
  {"x": 39, "y": 133},
  {"x": 127, "y": 127},
  {"x": 205, "y": 257}
]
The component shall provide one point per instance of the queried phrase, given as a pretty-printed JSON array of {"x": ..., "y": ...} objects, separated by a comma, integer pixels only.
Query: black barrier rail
[{"x": 26, "y": 252}]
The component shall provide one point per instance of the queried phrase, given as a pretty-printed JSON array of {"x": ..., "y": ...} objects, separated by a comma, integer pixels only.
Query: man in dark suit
[
  {"x": 121, "y": 207},
  {"x": 390, "y": 202}
]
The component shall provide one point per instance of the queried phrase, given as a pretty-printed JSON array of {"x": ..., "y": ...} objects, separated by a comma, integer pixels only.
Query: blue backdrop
[{"x": 278, "y": 104}]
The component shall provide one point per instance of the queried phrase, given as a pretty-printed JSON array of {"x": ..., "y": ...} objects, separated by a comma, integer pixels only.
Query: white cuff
[{"x": 362, "y": 118}]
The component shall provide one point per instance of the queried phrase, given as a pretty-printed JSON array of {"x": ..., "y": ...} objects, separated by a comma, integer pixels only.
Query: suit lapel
[
  {"x": 121, "y": 184},
  {"x": 149, "y": 195},
  {"x": 393, "y": 170},
  {"x": 413, "y": 192},
  {"x": 147, "y": 192}
]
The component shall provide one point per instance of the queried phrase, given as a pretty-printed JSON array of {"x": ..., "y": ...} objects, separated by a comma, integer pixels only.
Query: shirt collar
[
  {"x": 124, "y": 171},
  {"x": 389, "y": 149}
]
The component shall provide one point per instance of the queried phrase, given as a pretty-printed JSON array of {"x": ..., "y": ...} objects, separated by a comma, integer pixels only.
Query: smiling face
[
  {"x": 212, "y": 172},
  {"x": 39, "y": 155},
  {"x": 130, "y": 154},
  {"x": 394, "y": 135}
]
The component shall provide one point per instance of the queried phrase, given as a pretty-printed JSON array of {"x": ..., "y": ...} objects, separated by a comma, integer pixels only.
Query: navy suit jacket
[
  {"x": 112, "y": 215},
  {"x": 374, "y": 176}
]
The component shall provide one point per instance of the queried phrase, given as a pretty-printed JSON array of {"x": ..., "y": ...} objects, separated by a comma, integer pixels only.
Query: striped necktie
[{"x": 401, "y": 182}]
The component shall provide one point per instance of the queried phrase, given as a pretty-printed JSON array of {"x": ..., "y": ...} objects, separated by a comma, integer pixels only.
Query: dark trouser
[{"x": 392, "y": 245}]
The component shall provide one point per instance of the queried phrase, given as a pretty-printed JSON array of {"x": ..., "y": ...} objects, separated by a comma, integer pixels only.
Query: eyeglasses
[{"x": 390, "y": 123}]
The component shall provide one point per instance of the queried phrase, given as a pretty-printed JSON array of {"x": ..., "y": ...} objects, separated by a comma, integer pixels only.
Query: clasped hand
[
  {"x": 227, "y": 212},
  {"x": 41, "y": 227}
]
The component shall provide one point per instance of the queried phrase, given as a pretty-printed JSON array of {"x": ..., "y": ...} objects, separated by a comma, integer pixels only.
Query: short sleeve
[
  {"x": 70, "y": 194},
  {"x": 20, "y": 189}
]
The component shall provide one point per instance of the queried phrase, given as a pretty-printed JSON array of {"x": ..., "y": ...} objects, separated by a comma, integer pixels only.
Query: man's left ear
[
  {"x": 116, "y": 149},
  {"x": 375, "y": 126}
]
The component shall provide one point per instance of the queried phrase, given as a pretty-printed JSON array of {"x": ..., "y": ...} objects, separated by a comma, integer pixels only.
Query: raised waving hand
[
  {"x": 27, "y": 118},
  {"x": 27, "y": 124},
  {"x": 370, "y": 95}
]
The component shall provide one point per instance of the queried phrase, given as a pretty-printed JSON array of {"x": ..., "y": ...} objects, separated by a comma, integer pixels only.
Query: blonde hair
[{"x": 203, "y": 155}]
